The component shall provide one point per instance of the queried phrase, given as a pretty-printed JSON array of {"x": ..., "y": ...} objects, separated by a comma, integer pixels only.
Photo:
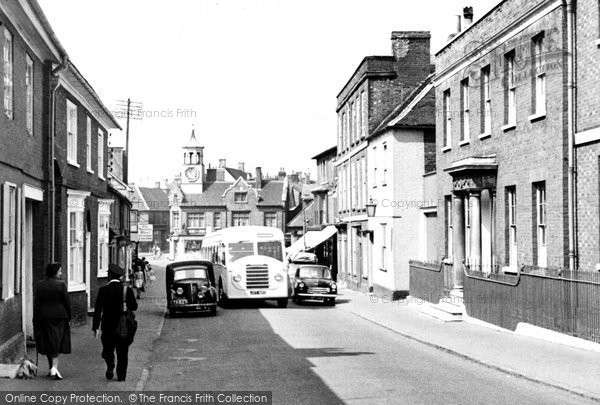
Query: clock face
[{"x": 192, "y": 174}]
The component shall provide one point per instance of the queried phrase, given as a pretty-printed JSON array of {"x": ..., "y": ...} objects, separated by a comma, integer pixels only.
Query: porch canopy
[{"x": 312, "y": 238}]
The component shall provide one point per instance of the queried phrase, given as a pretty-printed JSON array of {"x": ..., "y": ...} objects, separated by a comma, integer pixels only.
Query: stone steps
[{"x": 444, "y": 312}]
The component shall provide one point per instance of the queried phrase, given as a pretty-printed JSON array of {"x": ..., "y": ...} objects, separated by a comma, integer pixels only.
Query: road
[{"x": 312, "y": 354}]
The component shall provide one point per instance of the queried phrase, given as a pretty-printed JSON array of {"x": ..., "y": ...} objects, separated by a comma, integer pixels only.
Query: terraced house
[
  {"x": 507, "y": 154},
  {"x": 56, "y": 202}
]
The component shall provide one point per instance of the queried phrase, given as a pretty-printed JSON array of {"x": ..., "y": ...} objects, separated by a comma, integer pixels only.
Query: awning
[{"x": 312, "y": 238}]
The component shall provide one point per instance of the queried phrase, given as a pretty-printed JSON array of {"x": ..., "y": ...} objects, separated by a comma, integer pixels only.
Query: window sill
[
  {"x": 90, "y": 171},
  {"x": 485, "y": 135},
  {"x": 76, "y": 287},
  {"x": 597, "y": 42},
  {"x": 102, "y": 274},
  {"x": 537, "y": 116},
  {"x": 72, "y": 163},
  {"x": 101, "y": 178},
  {"x": 384, "y": 184},
  {"x": 508, "y": 127},
  {"x": 382, "y": 269},
  {"x": 446, "y": 148},
  {"x": 465, "y": 142}
]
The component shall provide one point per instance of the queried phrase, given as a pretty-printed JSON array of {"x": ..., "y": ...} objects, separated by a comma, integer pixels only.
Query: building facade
[
  {"x": 377, "y": 87},
  {"x": 401, "y": 152}
]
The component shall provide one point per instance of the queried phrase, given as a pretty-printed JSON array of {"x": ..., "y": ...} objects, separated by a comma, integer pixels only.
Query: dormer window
[{"x": 240, "y": 197}]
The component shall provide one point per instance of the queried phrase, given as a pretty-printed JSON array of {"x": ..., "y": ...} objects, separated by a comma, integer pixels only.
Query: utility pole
[{"x": 133, "y": 110}]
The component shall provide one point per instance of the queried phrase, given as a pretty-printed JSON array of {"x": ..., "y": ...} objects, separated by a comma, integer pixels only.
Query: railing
[
  {"x": 552, "y": 298},
  {"x": 426, "y": 280}
]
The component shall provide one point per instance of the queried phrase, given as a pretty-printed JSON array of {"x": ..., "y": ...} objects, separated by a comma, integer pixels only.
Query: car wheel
[
  {"x": 282, "y": 303},
  {"x": 213, "y": 311},
  {"x": 171, "y": 313},
  {"x": 223, "y": 301}
]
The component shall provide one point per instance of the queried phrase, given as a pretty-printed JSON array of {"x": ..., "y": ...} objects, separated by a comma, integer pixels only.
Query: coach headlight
[
  {"x": 179, "y": 291},
  {"x": 237, "y": 278},
  {"x": 333, "y": 287},
  {"x": 278, "y": 277}
]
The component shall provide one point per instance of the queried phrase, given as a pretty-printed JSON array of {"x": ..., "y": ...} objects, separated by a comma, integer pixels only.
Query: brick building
[
  {"x": 27, "y": 54},
  {"x": 151, "y": 207},
  {"x": 55, "y": 197},
  {"x": 375, "y": 89}
]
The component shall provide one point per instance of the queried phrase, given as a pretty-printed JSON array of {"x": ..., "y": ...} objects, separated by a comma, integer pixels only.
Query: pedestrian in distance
[
  {"x": 139, "y": 276},
  {"x": 107, "y": 311},
  {"x": 51, "y": 316}
]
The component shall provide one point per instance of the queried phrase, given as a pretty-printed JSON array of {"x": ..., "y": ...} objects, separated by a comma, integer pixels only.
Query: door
[
  {"x": 88, "y": 243},
  {"x": 27, "y": 280}
]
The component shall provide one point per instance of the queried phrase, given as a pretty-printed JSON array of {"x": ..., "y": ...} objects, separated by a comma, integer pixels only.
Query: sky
[{"x": 256, "y": 79}]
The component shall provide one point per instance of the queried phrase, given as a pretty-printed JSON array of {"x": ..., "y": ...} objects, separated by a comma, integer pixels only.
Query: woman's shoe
[{"x": 55, "y": 374}]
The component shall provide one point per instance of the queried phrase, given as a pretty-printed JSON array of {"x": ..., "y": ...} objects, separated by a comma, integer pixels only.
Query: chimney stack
[
  {"x": 222, "y": 163},
  {"x": 258, "y": 178},
  {"x": 241, "y": 166},
  {"x": 468, "y": 16}
]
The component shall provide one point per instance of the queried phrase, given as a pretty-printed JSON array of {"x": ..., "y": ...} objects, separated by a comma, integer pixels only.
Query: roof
[
  {"x": 156, "y": 199},
  {"x": 417, "y": 110},
  {"x": 298, "y": 220},
  {"x": 326, "y": 152},
  {"x": 212, "y": 195},
  {"x": 236, "y": 173},
  {"x": 193, "y": 142},
  {"x": 271, "y": 193}
]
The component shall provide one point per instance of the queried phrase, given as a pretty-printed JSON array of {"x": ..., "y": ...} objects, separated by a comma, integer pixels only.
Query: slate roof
[
  {"x": 271, "y": 193},
  {"x": 297, "y": 221},
  {"x": 156, "y": 198},
  {"x": 410, "y": 115},
  {"x": 211, "y": 197},
  {"x": 236, "y": 173}
]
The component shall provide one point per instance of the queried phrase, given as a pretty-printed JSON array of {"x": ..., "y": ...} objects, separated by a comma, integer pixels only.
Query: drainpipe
[
  {"x": 571, "y": 129},
  {"x": 54, "y": 86}
]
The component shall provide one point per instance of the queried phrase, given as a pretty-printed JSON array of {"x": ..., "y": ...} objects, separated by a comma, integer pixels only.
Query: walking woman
[{"x": 51, "y": 316}]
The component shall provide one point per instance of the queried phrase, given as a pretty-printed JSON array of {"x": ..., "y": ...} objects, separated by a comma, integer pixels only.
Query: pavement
[
  {"x": 572, "y": 369},
  {"x": 561, "y": 366}
]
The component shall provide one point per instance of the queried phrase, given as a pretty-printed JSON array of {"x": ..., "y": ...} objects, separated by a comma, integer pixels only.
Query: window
[
  {"x": 75, "y": 240},
  {"x": 240, "y": 197},
  {"x": 447, "y": 120},
  {"x": 271, "y": 219},
  {"x": 384, "y": 163},
  {"x": 29, "y": 94},
  {"x": 8, "y": 73},
  {"x": 365, "y": 113},
  {"x": 88, "y": 144},
  {"x": 539, "y": 75},
  {"x": 511, "y": 198},
  {"x": 464, "y": 87},
  {"x": 352, "y": 123},
  {"x": 344, "y": 131},
  {"x": 175, "y": 220},
  {"x": 71, "y": 133},
  {"x": 9, "y": 240},
  {"x": 217, "y": 220},
  {"x": 467, "y": 217},
  {"x": 448, "y": 213},
  {"x": 383, "y": 266},
  {"x": 104, "y": 207},
  {"x": 240, "y": 218},
  {"x": 540, "y": 207},
  {"x": 196, "y": 220},
  {"x": 486, "y": 101},
  {"x": 359, "y": 127},
  {"x": 100, "y": 154},
  {"x": 511, "y": 102}
]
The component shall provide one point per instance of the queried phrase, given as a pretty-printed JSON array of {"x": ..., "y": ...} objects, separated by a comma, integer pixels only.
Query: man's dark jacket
[{"x": 109, "y": 306}]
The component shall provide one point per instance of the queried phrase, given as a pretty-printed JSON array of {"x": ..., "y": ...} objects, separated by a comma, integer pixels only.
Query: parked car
[
  {"x": 314, "y": 282},
  {"x": 295, "y": 261},
  {"x": 191, "y": 287}
]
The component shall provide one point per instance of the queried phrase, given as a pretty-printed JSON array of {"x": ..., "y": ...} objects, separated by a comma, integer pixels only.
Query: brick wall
[
  {"x": 533, "y": 151},
  {"x": 588, "y": 156}
]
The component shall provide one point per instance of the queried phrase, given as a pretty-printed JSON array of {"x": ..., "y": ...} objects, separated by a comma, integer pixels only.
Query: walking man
[{"x": 108, "y": 309}]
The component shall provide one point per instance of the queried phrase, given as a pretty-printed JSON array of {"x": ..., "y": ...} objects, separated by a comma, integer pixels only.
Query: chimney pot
[
  {"x": 258, "y": 178},
  {"x": 468, "y": 16},
  {"x": 241, "y": 166},
  {"x": 222, "y": 163}
]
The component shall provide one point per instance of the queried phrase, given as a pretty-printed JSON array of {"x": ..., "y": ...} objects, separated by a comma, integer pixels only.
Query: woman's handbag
[{"x": 127, "y": 325}]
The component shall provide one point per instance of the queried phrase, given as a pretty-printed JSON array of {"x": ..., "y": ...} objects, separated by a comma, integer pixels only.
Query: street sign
[{"x": 145, "y": 233}]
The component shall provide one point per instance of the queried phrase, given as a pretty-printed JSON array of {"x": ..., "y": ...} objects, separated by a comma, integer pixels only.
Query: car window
[
  {"x": 190, "y": 273},
  {"x": 237, "y": 250},
  {"x": 313, "y": 272},
  {"x": 271, "y": 249}
]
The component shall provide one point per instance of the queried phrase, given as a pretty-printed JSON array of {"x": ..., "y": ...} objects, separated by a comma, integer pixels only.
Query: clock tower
[{"x": 192, "y": 170}]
